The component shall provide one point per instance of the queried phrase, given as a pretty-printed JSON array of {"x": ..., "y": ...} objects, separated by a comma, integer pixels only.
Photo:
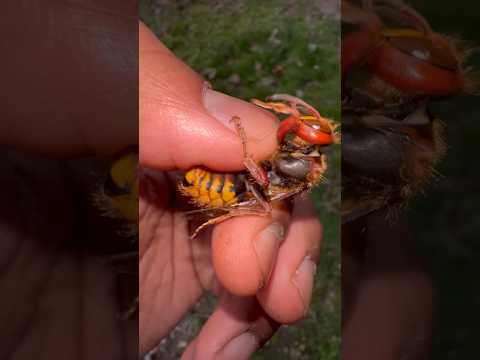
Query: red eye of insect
[
  {"x": 309, "y": 130},
  {"x": 424, "y": 49},
  {"x": 412, "y": 75}
]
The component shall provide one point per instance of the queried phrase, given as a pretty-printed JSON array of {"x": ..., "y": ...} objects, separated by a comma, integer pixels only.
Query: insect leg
[
  {"x": 259, "y": 197},
  {"x": 229, "y": 215},
  {"x": 255, "y": 170}
]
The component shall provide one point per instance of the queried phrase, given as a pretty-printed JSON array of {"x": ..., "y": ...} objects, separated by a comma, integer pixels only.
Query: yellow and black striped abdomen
[{"x": 213, "y": 190}]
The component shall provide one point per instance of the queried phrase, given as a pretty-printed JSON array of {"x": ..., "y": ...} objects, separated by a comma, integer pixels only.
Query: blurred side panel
[
  {"x": 68, "y": 263},
  {"x": 408, "y": 109}
]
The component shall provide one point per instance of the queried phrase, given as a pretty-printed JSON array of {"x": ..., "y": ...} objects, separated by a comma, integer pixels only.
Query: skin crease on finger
[{"x": 183, "y": 123}]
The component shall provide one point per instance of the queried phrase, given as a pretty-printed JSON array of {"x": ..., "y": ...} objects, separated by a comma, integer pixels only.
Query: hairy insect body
[
  {"x": 213, "y": 190},
  {"x": 293, "y": 172}
]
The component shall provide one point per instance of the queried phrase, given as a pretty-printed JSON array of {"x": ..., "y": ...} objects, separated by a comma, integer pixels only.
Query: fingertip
[
  {"x": 235, "y": 330},
  {"x": 234, "y": 255},
  {"x": 241, "y": 347},
  {"x": 287, "y": 296},
  {"x": 244, "y": 251}
]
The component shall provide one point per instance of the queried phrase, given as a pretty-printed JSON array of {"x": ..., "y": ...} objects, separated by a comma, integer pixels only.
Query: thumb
[{"x": 184, "y": 123}]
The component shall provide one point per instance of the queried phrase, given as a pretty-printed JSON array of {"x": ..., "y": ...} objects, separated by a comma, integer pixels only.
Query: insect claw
[{"x": 278, "y": 107}]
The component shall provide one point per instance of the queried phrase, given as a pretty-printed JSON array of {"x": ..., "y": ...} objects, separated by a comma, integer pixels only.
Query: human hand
[
  {"x": 265, "y": 265},
  {"x": 387, "y": 297}
]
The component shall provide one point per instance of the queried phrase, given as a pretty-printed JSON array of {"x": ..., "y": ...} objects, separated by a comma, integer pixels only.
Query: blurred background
[
  {"x": 446, "y": 219},
  {"x": 252, "y": 49}
]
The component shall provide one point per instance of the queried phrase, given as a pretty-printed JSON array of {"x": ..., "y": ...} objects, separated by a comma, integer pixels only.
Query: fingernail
[
  {"x": 241, "y": 347},
  {"x": 308, "y": 266},
  {"x": 304, "y": 277},
  {"x": 266, "y": 246},
  {"x": 224, "y": 107},
  {"x": 218, "y": 104}
]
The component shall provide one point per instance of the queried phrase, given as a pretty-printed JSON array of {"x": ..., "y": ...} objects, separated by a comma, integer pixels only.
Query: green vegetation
[{"x": 251, "y": 49}]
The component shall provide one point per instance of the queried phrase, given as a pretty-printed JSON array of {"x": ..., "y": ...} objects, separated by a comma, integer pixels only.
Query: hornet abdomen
[{"x": 213, "y": 190}]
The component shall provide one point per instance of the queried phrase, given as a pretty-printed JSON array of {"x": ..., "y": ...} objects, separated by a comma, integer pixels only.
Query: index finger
[{"x": 184, "y": 123}]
